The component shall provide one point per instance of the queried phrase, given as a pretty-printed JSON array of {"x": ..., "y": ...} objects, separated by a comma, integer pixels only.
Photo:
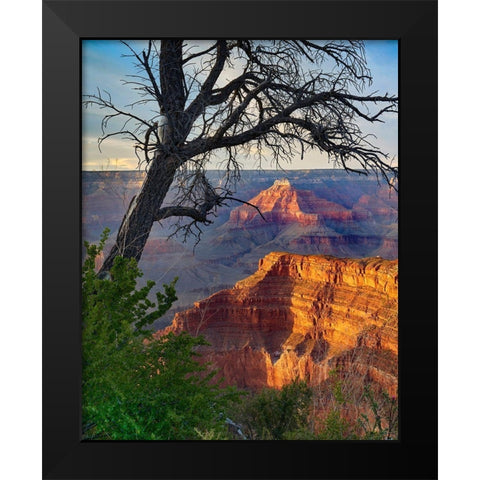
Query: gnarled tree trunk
[{"x": 143, "y": 211}]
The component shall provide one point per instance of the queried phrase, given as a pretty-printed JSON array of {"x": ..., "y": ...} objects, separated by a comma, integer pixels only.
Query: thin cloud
[{"x": 104, "y": 67}]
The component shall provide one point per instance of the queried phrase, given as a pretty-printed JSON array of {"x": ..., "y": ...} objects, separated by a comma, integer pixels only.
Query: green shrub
[
  {"x": 134, "y": 386},
  {"x": 276, "y": 414},
  {"x": 384, "y": 410},
  {"x": 377, "y": 413},
  {"x": 334, "y": 426}
]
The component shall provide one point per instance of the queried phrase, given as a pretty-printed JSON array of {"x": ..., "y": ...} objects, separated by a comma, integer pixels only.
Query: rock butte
[
  {"x": 283, "y": 204},
  {"x": 299, "y": 221},
  {"x": 302, "y": 316}
]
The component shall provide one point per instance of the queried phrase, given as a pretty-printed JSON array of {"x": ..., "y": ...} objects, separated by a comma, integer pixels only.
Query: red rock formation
[
  {"x": 298, "y": 221},
  {"x": 302, "y": 315},
  {"x": 282, "y": 204}
]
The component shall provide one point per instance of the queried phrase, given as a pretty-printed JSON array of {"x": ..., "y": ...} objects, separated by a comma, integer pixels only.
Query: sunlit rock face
[
  {"x": 302, "y": 316},
  {"x": 297, "y": 220},
  {"x": 319, "y": 212},
  {"x": 281, "y": 204}
]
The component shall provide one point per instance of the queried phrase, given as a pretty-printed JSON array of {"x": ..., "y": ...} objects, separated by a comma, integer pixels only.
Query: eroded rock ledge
[{"x": 301, "y": 316}]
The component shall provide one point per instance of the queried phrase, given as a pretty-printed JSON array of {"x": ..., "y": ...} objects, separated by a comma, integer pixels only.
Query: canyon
[
  {"x": 302, "y": 316},
  {"x": 300, "y": 221},
  {"x": 307, "y": 212}
]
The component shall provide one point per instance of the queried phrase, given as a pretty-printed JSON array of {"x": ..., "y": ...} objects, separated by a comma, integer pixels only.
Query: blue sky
[{"x": 104, "y": 67}]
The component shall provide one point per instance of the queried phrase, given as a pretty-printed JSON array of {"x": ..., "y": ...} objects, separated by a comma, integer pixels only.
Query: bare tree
[{"x": 228, "y": 98}]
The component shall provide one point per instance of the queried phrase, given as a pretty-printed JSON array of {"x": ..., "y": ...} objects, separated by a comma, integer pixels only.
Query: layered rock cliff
[
  {"x": 283, "y": 204},
  {"x": 302, "y": 316},
  {"x": 300, "y": 221}
]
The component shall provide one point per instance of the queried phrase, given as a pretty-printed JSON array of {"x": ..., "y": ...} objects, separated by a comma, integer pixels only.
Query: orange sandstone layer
[
  {"x": 283, "y": 204},
  {"x": 301, "y": 316}
]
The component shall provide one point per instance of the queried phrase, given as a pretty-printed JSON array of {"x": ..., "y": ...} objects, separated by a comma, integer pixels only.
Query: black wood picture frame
[{"x": 414, "y": 24}]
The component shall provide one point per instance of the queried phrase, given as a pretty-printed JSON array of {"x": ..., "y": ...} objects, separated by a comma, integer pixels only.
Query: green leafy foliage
[
  {"x": 334, "y": 426},
  {"x": 276, "y": 414},
  {"x": 295, "y": 413},
  {"x": 384, "y": 410},
  {"x": 136, "y": 386},
  {"x": 377, "y": 413}
]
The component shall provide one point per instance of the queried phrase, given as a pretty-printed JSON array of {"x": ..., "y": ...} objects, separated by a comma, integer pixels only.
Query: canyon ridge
[{"x": 302, "y": 316}]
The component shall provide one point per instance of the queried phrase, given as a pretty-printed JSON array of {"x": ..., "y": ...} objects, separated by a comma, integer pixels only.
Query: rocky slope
[
  {"x": 283, "y": 204},
  {"x": 300, "y": 221},
  {"x": 302, "y": 315}
]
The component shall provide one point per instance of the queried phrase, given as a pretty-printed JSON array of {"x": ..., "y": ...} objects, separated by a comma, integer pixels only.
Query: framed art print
[{"x": 240, "y": 247}]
